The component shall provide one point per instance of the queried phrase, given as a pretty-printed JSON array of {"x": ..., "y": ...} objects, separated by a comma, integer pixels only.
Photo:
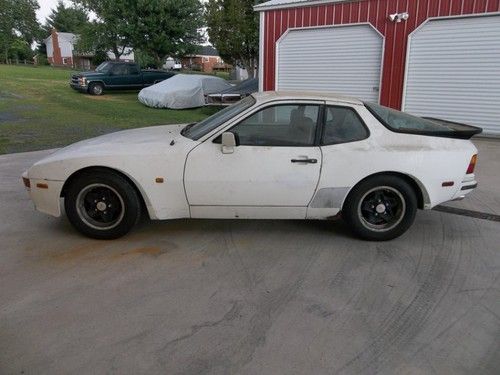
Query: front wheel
[
  {"x": 380, "y": 208},
  {"x": 102, "y": 204},
  {"x": 96, "y": 88}
]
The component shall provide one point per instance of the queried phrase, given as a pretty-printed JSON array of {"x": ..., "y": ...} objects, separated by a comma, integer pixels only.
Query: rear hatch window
[{"x": 405, "y": 123}]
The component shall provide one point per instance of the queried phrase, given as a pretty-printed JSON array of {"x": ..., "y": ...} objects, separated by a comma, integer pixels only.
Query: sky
[{"x": 46, "y": 7}]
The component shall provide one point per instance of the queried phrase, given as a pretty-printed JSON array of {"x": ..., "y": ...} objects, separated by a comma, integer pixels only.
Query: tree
[
  {"x": 233, "y": 28},
  {"x": 168, "y": 27},
  {"x": 159, "y": 28},
  {"x": 144, "y": 59},
  {"x": 110, "y": 31},
  {"x": 66, "y": 19},
  {"x": 20, "y": 50},
  {"x": 18, "y": 24},
  {"x": 99, "y": 38}
]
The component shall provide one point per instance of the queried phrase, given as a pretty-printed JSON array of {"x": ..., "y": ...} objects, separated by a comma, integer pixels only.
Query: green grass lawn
[{"x": 39, "y": 110}]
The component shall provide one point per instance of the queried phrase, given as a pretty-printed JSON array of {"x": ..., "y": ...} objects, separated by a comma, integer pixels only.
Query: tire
[
  {"x": 380, "y": 208},
  {"x": 102, "y": 204},
  {"x": 96, "y": 88}
]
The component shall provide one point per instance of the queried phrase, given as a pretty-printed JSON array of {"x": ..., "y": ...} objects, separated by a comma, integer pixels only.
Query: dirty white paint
[{"x": 256, "y": 181}]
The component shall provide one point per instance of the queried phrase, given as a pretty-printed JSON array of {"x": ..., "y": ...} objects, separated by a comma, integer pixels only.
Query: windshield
[
  {"x": 406, "y": 123},
  {"x": 198, "y": 130},
  {"x": 104, "y": 67}
]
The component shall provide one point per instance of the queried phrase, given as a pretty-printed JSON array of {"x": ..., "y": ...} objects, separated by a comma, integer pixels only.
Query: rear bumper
[
  {"x": 223, "y": 99},
  {"x": 468, "y": 184}
]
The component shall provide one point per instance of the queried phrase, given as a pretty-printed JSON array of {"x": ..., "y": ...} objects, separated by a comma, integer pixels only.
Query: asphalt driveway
[{"x": 250, "y": 297}]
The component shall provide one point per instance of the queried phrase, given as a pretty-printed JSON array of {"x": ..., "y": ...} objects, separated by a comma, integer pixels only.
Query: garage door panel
[
  {"x": 345, "y": 60},
  {"x": 454, "y": 71}
]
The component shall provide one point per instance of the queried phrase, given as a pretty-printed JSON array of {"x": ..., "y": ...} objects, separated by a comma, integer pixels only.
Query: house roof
[
  {"x": 278, "y": 4},
  {"x": 204, "y": 51},
  {"x": 207, "y": 51}
]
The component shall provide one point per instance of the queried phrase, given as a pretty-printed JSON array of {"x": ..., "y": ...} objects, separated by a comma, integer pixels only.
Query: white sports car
[{"x": 273, "y": 155}]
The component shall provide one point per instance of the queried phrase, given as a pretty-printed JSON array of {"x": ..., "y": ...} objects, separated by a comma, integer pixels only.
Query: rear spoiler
[{"x": 457, "y": 129}]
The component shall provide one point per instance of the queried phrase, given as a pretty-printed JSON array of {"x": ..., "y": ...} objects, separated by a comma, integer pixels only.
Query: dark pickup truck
[{"x": 115, "y": 75}]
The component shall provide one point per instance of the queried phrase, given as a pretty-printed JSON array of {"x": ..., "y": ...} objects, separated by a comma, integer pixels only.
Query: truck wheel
[
  {"x": 380, "y": 208},
  {"x": 96, "y": 88},
  {"x": 102, "y": 204}
]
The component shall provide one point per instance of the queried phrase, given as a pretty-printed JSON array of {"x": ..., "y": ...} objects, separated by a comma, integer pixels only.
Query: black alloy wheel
[
  {"x": 102, "y": 204},
  {"x": 380, "y": 208}
]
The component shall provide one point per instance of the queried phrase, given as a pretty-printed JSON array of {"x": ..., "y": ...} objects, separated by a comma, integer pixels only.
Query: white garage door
[
  {"x": 454, "y": 71},
  {"x": 344, "y": 60}
]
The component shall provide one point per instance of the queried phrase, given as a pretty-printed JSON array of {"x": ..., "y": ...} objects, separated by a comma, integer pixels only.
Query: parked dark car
[
  {"x": 115, "y": 75},
  {"x": 233, "y": 94}
]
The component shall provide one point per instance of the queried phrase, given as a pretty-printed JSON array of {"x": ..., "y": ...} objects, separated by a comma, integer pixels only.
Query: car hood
[
  {"x": 124, "y": 145},
  {"x": 90, "y": 73}
]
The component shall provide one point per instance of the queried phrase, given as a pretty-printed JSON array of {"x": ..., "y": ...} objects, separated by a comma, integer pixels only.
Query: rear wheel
[
  {"x": 102, "y": 204},
  {"x": 380, "y": 208},
  {"x": 96, "y": 88}
]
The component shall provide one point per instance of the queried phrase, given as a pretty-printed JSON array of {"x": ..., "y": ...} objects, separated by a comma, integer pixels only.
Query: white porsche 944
[{"x": 273, "y": 155}]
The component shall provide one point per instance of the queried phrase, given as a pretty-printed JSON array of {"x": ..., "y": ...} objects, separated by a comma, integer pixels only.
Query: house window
[
  {"x": 206, "y": 59},
  {"x": 65, "y": 60}
]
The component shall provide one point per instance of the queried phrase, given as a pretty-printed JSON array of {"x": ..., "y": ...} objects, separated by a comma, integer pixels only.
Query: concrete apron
[{"x": 279, "y": 297}]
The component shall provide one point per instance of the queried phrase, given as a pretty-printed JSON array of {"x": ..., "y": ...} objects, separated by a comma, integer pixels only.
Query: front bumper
[
  {"x": 45, "y": 194},
  {"x": 78, "y": 87}
]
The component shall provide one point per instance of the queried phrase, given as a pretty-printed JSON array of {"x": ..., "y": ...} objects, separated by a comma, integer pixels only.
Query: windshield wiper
[{"x": 187, "y": 127}]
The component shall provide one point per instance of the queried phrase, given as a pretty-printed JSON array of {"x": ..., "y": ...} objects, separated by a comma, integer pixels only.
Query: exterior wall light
[{"x": 398, "y": 17}]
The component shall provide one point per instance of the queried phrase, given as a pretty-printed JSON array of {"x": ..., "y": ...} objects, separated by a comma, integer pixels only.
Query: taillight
[{"x": 472, "y": 164}]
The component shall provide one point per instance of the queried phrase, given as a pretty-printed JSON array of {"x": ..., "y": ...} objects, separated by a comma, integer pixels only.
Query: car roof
[{"x": 266, "y": 96}]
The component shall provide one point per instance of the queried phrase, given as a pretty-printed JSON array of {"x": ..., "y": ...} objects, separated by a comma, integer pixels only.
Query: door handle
[{"x": 307, "y": 161}]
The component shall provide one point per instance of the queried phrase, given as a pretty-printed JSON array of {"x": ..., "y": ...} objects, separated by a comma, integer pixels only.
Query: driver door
[
  {"x": 126, "y": 76},
  {"x": 271, "y": 173}
]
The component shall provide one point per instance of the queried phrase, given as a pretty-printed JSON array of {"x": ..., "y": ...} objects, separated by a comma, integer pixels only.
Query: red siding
[{"x": 375, "y": 12}]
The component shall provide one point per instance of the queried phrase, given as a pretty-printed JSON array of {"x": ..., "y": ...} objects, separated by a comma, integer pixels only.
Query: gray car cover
[{"x": 182, "y": 91}]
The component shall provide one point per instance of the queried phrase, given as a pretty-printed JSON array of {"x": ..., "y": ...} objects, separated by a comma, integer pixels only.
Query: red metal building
[{"x": 287, "y": 52}]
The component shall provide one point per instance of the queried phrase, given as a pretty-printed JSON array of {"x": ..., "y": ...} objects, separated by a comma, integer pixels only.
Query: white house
[
  {"x": 61, "y": 51},
  {"x": 127, "y": 56}
]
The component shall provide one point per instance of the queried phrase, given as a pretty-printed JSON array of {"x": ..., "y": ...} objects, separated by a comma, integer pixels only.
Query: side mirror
[{"x": 228, "y": 142}]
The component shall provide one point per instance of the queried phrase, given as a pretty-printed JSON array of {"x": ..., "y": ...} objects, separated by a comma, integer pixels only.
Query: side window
[
  {"x": 120, "y": 70},
  {"x": 132, "y": 69},
  {"x": 342, "y": 125},
  {"x": 280, "y": 125}
]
